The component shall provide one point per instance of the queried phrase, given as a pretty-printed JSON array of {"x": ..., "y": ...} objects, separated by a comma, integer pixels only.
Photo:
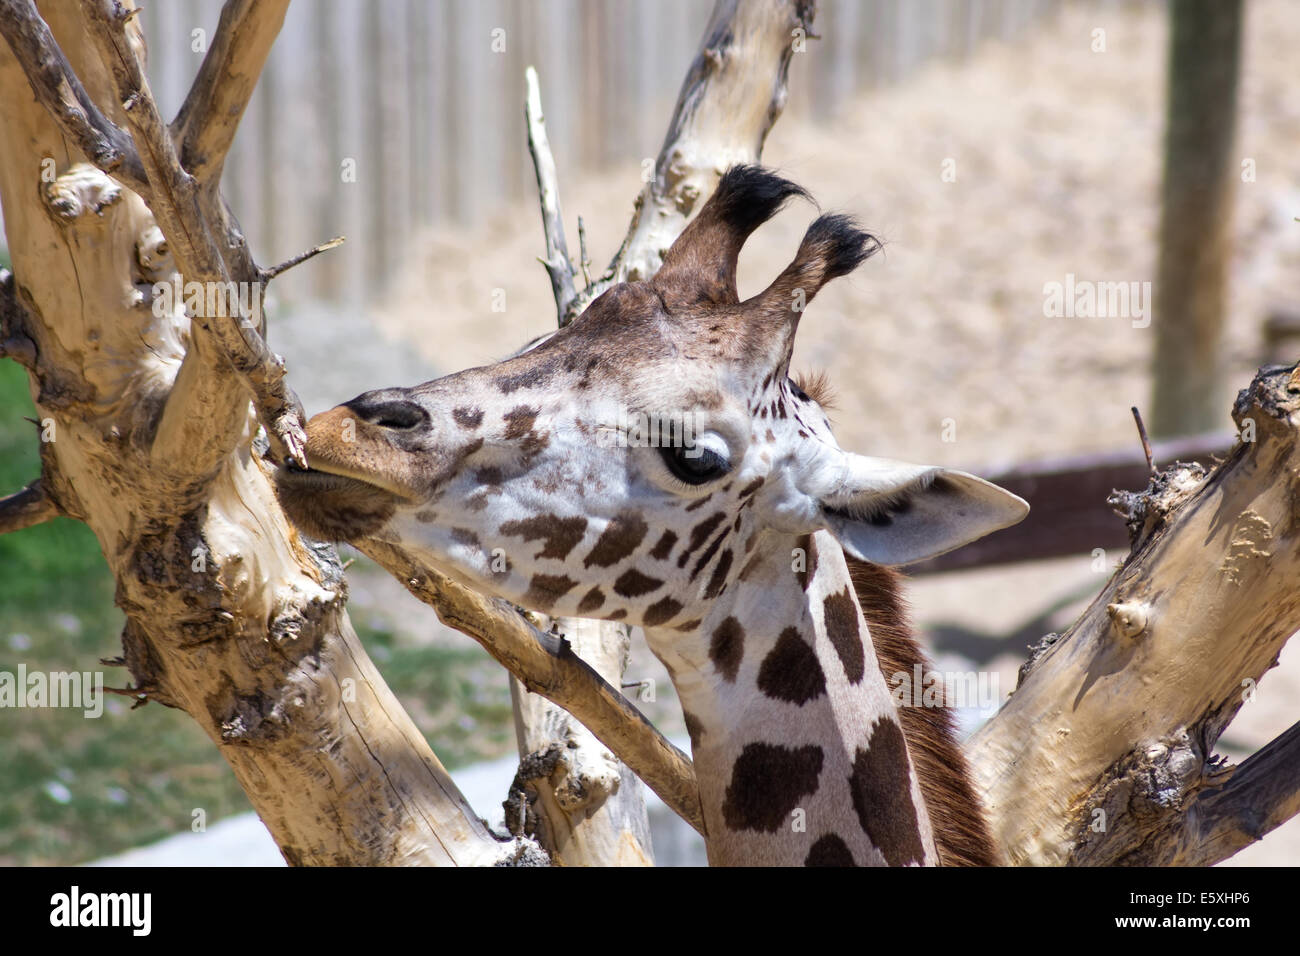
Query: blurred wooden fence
[{"x": 423, "y": 100}]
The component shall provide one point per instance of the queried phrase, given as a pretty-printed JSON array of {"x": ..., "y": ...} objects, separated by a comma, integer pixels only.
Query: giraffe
[{"x": 654, "y": 463}]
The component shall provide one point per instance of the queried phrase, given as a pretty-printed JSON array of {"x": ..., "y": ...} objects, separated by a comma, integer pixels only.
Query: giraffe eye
[{"x": 694, "y": 464}]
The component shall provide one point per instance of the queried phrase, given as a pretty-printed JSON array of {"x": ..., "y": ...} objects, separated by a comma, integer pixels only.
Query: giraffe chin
[{"x": 330, "y": 507}]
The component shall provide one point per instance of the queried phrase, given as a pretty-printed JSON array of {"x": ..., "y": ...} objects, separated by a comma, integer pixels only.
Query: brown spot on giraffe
[
  {"x": 809, "y": 571},
  {"x": 707, "y": 554},
  {"x": 591, "y": 601},
  {"x": 829, "y": 850},
  {"x": 961, "y": 834},
  {"x": 664, "y": 546},
  {"x": 753, "y": 563},
  {"x": 561, "y": 535},
  {"x": 545, "y": 589},
  {"x": 519, "y": 425},
  {"x": 841, "y": 619},
  {"x": 661, "y": 612},
  {"x": 466, "y": 537},
  {"x": 694, "y": 728},
  {"x": 519, "y": 421},
  {"x": 791, "y": 671},
  {"x": 632, "y": 583},
  {"x": 468, "y": 418},
  {"x": 718, "y": 580},
  {"x": 533, "y": 376},
  {"x": 699, "y": 534},
  {"x": 767, "y": 783},
  {"x": 619, "y": 539},
  {"x": 882, "y": 797},
  {"x": 727, "y": 647}
]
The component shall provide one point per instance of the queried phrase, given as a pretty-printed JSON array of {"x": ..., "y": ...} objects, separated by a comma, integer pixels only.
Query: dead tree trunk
[
  {"x": 231, "y": 616},
  {"x": 1105, "y": 752}
]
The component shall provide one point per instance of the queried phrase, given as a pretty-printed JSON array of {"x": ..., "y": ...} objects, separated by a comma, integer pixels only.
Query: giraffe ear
[{"x": 890, "y": 512}]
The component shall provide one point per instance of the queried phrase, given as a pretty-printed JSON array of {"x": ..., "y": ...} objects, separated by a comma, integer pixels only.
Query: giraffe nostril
[{"x": 397, "y": 415}]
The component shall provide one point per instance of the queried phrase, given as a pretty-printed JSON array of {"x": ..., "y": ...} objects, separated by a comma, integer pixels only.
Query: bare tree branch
[
  {"x": 272, "y": 271},
  {"x": 558, "y": 265},
  {"x": 206, "y": 124},
  {"x": 1262, "y": 793},
  {"x": 56, "y": 86},
  {"x": 547, "y": 665},
  {"x": 31, "y": 506}
]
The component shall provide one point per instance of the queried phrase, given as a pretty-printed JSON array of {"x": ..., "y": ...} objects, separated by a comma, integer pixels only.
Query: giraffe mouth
[{"x": 332, "y": 505}]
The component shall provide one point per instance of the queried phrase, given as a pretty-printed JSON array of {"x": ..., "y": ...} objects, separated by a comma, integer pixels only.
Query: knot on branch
[
  {"x": 1146, "y": 512},
  {"x": 153, "y": 255},
  {"x": 1136, "y": 797},
  {"x": 81, "y": 190},
  {"x": 1267, "y": 406},
  {"x": 577, "y": 777},
  {"x": 1036, "y": 654}
]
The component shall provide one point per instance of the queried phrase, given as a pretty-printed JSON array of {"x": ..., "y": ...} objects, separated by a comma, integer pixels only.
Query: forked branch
[
  {"x": 190, "y": 232},
  {"x": 1262, "y": 794},
  {"x": 105, "y": 144}
]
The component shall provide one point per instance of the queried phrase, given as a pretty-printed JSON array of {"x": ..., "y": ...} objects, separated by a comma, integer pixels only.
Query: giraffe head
[{"x": 626, "y": 467}]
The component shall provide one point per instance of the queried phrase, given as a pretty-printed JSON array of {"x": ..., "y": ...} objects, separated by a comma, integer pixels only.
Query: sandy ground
[{"x": 1057, "y": 158}]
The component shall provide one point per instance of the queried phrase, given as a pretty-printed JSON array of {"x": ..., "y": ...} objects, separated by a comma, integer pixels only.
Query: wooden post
[{"x": 1195, "y": 229}]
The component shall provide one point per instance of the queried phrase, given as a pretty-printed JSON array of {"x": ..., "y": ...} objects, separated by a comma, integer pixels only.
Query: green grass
[{"x": 74, "y": 789}]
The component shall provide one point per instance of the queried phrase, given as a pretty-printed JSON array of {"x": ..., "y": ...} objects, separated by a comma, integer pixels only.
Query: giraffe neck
[{"x": 796, "y": 740}]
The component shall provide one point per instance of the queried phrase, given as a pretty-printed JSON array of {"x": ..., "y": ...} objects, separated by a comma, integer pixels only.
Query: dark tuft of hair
[
  {"x": 840, "y": 243},
  {"x": 748, "y": 196}
]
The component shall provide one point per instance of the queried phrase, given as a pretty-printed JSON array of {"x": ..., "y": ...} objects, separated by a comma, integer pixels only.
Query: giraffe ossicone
[{"x": 737, "y": 544}]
